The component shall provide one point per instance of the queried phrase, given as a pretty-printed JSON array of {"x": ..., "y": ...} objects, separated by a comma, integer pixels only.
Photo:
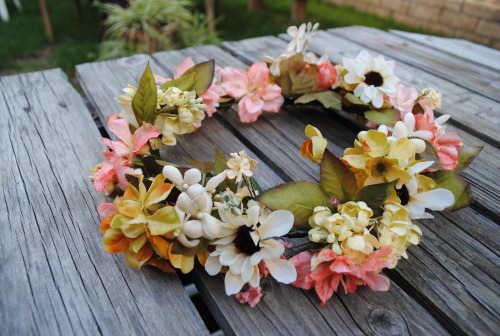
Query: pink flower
[
  {"x": 404, "y": 99},
  {"x": 445, "y": 144},
  {"x": 106, "y": 209},
  {"x": 253, "y": 90},
  {"x": 122, "y": 153},
  {"x": 326, "y": 270},
  {"x": 105, "y": 178},
  {"x": 327, "y": 76},
  {"x": 184, "y": 66},
  {"x": 251, "y": 296}
]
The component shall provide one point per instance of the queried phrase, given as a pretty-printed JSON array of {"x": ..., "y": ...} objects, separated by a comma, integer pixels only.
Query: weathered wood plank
[
  {"x": 484, "y": 173},
  {"x": 469, "y": 75},
  {"x": 467, "y": 50},
  {"x": 55, "y": 277},
  {"x": 436, "y": 255},
  {"x": 212, "y": 288}
]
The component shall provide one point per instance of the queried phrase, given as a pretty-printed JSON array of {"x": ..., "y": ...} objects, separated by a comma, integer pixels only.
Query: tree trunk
[
  {"x": 46, "y": 21},
  {"x": 255, "y": 5},
  {"x": 299, "y": 10},
  {"x": 210, "y": 10}
]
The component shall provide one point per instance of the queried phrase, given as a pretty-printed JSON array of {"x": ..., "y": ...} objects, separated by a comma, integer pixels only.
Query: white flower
[
  {"x": 246, "y": 241},
  {"x": 374, "y": 77},
  {"x": 240, "y": 164},
  {"x": 407, "y": 129},
  {"x": 195, "y": 204},
  {"x": 416, "y": 202},
  {"x": 300, "y": 36}
]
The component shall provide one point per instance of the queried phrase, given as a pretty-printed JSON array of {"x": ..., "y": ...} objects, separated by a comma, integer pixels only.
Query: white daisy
[
  {"x": 247, "y": 240},
  {"x": 374, "y": 77},
  {"x": 416, "y": 202},
  {"x": 406, "y": 128}
]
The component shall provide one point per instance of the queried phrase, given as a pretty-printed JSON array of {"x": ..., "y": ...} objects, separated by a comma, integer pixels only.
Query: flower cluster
[{"x": 359, "y": 218}]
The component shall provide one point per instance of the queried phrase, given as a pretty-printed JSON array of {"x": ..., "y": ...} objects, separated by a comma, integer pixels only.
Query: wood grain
[
  {"x": 271, "y": 318},
  {"x": 453, "y": 293},
  {"x": 469, "y": 51},
  {"x": 55, "y": 277}
]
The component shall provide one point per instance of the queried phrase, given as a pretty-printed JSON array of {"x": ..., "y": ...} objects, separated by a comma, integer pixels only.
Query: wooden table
[{"x": 56, "y": 279}]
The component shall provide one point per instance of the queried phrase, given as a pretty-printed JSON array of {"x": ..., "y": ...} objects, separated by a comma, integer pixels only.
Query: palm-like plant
[{"x": 150, "y": 25}]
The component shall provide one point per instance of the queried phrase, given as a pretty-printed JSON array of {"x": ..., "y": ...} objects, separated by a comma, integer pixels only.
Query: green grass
[{"x": 24, "y": 46}]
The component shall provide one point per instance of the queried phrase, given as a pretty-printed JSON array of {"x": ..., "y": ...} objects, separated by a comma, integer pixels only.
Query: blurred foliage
[{"x": 147, "y": 26}]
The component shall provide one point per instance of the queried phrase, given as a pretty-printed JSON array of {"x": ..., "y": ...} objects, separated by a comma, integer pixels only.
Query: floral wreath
[{"x": 357, "y": 219}]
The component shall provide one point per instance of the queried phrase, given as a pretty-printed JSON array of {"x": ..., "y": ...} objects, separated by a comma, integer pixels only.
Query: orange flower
[{"x": 314, "y": 148}]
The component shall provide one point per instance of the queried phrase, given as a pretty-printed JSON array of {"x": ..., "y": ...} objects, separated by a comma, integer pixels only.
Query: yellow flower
[
  {"x": 141, "y": 215},
  {"x": 396, "y": 230},
  {"x": 345, "y": 230},
  {"x": 376, "y": 159},
  {"x": 315, "y": 147}
]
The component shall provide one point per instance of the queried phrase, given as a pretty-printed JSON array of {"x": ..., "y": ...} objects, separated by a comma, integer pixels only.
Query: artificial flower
[
  {"x": 314, "y": 148},
  {"x": 251, "y": 296},
  {"x": 253, "y": 90},
  {"x": 240, "y": 165},
  {"x": 431, "y": 98},
  {"x": 246, "y": 241},
  {"x": 372, "y": 77},
  {"x": 300, "y": 36},
  {"x": 324, "y": 271},
  {"x": 140, "y": 215},
  {"x": 404, "y": 99},
  {"x": 327, "y": 76}
]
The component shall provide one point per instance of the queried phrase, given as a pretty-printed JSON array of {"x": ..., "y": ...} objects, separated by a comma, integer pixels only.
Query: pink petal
[
  {"x": 377, "y": 282},
  {"x": 324, "y": 291},
  {"x": 106, "y": 209},
  {"x": 120, "y": 128},
  {"x": 234, "y": 81},
  {"x": 245, "y": 115},
  {"x": 258, "y": 74},
  {"x": 273, "y": 105},
  {"x": 143, "y": 134},
  {"x": 184, "y": 66},
  {"x": 104, "y": 176}
]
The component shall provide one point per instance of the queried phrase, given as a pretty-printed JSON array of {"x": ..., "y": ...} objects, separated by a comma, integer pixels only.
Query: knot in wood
[{"x": 384, "y": 322}]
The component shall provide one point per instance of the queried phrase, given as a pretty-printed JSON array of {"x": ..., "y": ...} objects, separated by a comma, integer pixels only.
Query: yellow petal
[
  {"x": 312, "y": 131},
  {"x": 402, "y": 149},
  {"x": 182, "y": 262},
  {"x": 163, "y": 221},
  {"x": 114, "y": 241},
  {"x": 130, "y": 208},
  {"x": 377, "y": 143},
  {"x": 318, "y": 147}
]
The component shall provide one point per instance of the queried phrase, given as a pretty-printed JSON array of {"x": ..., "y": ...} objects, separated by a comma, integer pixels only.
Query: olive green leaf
[
  {"x": 466, "y": 155},
  {"x": 145, "y": 98},
  {"x": 336, "y": 178},
  {"x": 204, "y": 167},
  {"x": 385, "y": 116},
  {"x": 328, "y": 99},
  {"x": 429, "y": 154},
  {"x": 375, "y": 195},
  {"x": 197, "y": 78},
  {"x": 300, "y": 198}
]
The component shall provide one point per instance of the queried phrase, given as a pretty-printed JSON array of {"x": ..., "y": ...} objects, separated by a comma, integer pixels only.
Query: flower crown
[{"x": 357, "y": 220}]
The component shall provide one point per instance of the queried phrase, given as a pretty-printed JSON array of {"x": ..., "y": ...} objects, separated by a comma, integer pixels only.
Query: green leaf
[
  {"x": 328, "y": 99},
  {"x": 466, "y": 155},
  {"x": 255, "y": 185},
  {"x": 197, "y": 78},
  {"x": 429, "y": 154},
  {"x": 353, "y": 99},
  {"x": 220, "y": 164},
  {"x": 178, "y": 248},
  {"x": 336, "y": 178},
  {"x": 386, "y": 116},
  {"x": 145, "y": 99},
  {"x": 133, "y": 180},
  {"x": 450, "y": 180},
  {"x": 375, "y": 195},
  {"x": 204, "y": 167},
  {"x": 299, "y": 197},
  {"x": 296, "y": 76}
]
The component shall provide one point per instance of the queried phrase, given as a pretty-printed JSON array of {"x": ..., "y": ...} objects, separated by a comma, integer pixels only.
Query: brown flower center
[
  {"x": 244, "y": 242},
  {"x": 380, "y": 169},
  {"x": 374, "y": 78},
  {"x": 403, "y": 195}
]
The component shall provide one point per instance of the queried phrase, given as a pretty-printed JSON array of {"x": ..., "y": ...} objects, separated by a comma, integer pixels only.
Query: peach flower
[{"x": 253, "y": 90}]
